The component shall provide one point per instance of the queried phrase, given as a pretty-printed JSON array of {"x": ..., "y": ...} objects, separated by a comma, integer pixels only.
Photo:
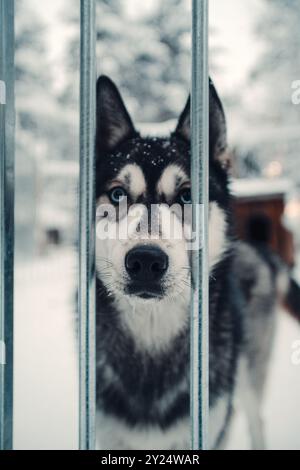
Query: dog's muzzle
[{"x": 146, "y": 266}]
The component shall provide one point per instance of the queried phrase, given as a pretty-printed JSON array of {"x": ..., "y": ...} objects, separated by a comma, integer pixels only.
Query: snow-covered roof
[{"x": 260, "y": 187}]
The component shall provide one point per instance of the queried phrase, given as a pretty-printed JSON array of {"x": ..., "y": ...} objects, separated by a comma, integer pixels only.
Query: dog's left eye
[
  {"x": 185, "y": 196},
  {"x": 117, "y": 195}
]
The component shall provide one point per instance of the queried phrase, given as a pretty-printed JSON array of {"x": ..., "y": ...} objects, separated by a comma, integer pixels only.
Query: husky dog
[{"x": 144, "y": 288}]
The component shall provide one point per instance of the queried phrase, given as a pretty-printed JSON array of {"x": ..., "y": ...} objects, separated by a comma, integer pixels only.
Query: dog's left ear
[
  {"x": 217, "y": 125},
  {"x": 114, "y": 124}
]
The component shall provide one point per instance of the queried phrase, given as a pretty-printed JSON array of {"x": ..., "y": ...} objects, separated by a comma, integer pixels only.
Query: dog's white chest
[{"x": 113, "y": 434}]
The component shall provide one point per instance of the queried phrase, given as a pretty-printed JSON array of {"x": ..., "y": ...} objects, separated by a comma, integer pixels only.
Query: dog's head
[{"x": 143, "y": 200}]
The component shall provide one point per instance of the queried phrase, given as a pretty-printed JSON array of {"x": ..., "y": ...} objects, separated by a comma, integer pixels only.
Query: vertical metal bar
[
  {"x": 87, "y": 363},
  {"x": 7, "y": 120},
  {"x": 200, "y": 270}
]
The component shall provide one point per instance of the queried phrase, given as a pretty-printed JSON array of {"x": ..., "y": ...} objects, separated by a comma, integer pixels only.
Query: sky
[{"x": 232, "y": 21}]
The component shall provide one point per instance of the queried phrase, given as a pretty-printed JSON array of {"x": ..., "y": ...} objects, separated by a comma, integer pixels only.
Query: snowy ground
[
  {"x": 281, "y": 411},
  {"x": 45, "y": 363}
]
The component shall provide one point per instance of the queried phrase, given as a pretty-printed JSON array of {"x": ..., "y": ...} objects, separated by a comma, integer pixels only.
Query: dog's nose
[{"x": 146, "y": 263}]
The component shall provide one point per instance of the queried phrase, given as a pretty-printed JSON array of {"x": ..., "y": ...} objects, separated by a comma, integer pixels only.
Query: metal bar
[
  {"x": 200, "y": 270},
  {"x": 87, "y": 353},
  {"x": 7, "y": 122}
]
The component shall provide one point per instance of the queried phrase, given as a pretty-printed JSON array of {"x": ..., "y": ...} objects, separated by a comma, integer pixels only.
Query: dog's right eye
[{"x": 117, "y": 195}]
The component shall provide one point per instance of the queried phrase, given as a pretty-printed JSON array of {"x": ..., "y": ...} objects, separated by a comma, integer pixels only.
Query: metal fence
[
  {"x": 87, "y": 361},
  {"x": 199, "y": 310},
  {"x": 200, "y": 270},
  {"x": 6, "y": 220}
]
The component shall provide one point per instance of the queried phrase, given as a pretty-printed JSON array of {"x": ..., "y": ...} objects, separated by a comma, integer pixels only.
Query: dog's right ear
[
  {"x": 217, "y": 126},
  {"x": 114, "y": 124}
]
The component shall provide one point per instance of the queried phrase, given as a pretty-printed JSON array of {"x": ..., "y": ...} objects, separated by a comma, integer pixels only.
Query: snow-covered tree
[
  {"x": 278, "y": 66},
  {"x": 161, "y": 65},
  {"x": 33, "y": 79},
  {"x": 32, "y": 100},
  {"x": 39, "y": 114},
  {"x": 43, "y": 130},
  {"x": 147, "y": 54},
  {"x": 274, "y": 116}
]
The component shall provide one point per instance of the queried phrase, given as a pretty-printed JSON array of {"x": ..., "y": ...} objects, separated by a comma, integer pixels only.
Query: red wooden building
[{"x": 255, "y": 197}]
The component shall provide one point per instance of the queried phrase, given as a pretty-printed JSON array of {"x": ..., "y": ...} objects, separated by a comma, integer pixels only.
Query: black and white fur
[{"x": 143, "y": 340}]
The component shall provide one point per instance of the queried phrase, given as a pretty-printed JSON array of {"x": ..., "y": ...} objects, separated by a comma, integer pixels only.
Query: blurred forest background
[{"x": 146, "y": 49}]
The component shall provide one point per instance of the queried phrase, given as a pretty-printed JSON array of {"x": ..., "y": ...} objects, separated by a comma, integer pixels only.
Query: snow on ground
[
  {"x": 46, "y": 387},
  {"x": 45, "y": 361},
  {"x": 281, "y": 412}
]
